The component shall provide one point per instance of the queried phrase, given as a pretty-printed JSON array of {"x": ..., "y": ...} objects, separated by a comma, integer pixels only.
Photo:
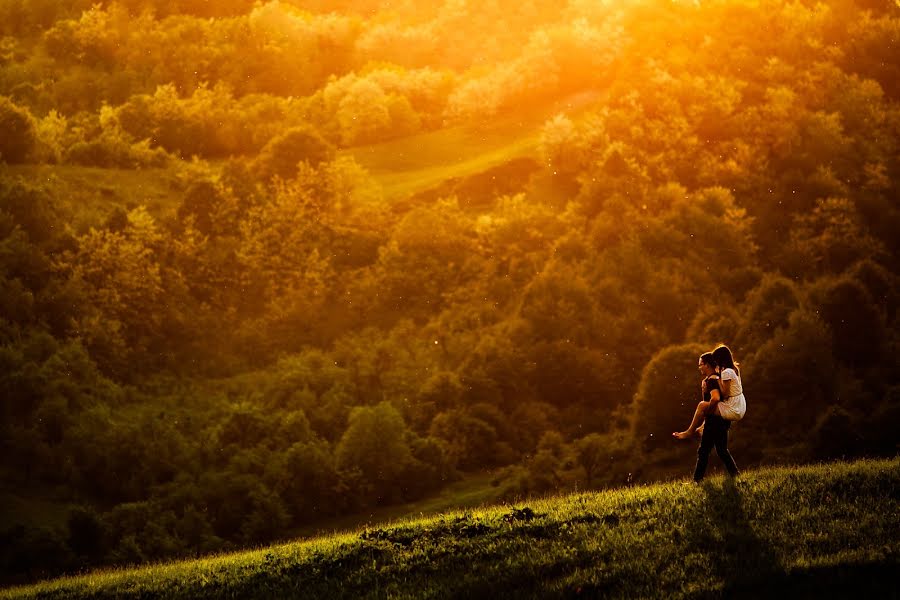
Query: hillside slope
[{"x": 828, "y": 529}]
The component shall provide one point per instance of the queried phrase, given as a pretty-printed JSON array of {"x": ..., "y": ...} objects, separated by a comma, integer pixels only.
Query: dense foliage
[{"x": 281, "y": 341}]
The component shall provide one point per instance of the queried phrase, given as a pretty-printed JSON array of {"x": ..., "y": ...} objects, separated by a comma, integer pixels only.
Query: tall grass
[{"x": 826, "y": 531}]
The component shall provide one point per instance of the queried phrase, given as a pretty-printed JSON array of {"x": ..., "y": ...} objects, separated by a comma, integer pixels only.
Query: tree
[
  {"x": 267, "y": 520},
  {"x": 470, "y": 441},
  {"x": 856, "y": 324},
  {"x": 790, "y": 379},
  {"x": 362, "y": 112},
  {"x": 531, "y": 420},
  {"x": 86, "y": 533},
  {"x": 279, "y": 262},
  {"x": 375, "y": 445},
  {"x": 667, "y": 395},
  {"x": 766, "y": 309},
  {"x": 559, "y": 304},
  {"x": 835, "y": 435},
  {"x": 563, "y": 148},
  {"x": 830, "y": 239},
  {"x": 122, "y": 276},
  {"x": 591, "y": 452},
  {"x": 202, "y": 202},
  {"x": 431, "y": 251},
  {"x": 431, "y": 468},
  {"x": 306, "y": 478},
  {"x": 553, "y": 466},
  {"x": 281, "y": 155},
  {"x": 440, "y": 392},
  {"x": 883, "y": 286}
]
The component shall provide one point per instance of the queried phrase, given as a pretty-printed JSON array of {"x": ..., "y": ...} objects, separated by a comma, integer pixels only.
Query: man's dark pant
[{"x": 715, "y": 434}]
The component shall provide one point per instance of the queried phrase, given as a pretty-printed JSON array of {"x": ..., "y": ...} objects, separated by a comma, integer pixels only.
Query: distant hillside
[
  {"x": 809, "y": 531},
  {"x": 270, "y": 265}
]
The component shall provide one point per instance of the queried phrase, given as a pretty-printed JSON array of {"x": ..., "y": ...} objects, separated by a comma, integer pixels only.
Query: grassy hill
[
  {"x": 827, "y": 530},
  {"x": 416, "y": 163},
  {"x": 401, "y": 168},
  {"x": 91, "y": 193},
  {"x": 419, "y": 162}
]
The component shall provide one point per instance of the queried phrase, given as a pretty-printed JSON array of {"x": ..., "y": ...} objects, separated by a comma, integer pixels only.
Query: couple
[{"x": 723, "y": 402}]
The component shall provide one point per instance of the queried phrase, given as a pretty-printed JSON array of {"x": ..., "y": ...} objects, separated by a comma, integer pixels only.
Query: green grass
[
  {"x": 472, "y": 491},
  {"x": 816, "y": 531},
  {"x": 91, "y": 193},
  {"x": 414, "y": 164},
  {"x": 402, "y": 167},
  {"x": 420, "y": 162}
]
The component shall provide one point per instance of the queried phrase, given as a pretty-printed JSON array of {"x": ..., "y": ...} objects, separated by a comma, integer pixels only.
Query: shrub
[
  {"x": 835, "y": 435},
  {"x": 19, "y": 137},
  {"x": 87, "y": 535},
  {"x": 282, "y": 154},
  {"x": 111, "y": 151}
]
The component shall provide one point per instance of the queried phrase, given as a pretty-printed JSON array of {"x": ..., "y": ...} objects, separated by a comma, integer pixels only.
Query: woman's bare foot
[{"x": 683, "y": 435}]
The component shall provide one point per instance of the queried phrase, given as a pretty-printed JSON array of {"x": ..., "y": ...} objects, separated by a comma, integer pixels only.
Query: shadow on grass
[
  {"x": 735, "y": 552},
  {"x": 839, "y": 581},
  {"x": 748, "y": 567}
]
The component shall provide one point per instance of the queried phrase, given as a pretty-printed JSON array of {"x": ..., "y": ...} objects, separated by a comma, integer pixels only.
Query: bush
[
  {"x": 111, "y": 151},
  {"x": 30, "y": 553},
  {"x": 87, "y": 535},
  {"x": 282, "y": 154},
  {"x": 881, "y": 427},
  {"x": 835, "y": 435},
  {"x": 19, "y": 136}
]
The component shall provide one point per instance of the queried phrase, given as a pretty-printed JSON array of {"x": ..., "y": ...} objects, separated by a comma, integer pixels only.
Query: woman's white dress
[{"x": 734, "y": 406}]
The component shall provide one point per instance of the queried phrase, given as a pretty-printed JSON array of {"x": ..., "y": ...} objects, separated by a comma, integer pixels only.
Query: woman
[
  {"x": 733, "y": 404},
  {"x": 715, "y": 427},
  {"x": 726, "y": 399}
]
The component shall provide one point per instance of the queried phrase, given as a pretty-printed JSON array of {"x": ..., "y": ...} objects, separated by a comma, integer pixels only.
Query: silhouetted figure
[{"x": 714, "y": 431}]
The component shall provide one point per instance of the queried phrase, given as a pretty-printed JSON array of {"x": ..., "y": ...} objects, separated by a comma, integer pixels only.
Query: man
[{"x": 715, "y": 427}]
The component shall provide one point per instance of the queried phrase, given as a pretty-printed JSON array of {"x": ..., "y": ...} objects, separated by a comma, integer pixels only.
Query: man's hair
[{"x": 708, "y": 358}]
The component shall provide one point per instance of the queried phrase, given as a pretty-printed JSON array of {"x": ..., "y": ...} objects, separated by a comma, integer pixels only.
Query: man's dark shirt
[{"x": 712, "y": 383}]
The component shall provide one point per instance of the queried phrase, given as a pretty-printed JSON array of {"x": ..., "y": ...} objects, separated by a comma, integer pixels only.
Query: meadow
[{"x": 827, "y": 530}]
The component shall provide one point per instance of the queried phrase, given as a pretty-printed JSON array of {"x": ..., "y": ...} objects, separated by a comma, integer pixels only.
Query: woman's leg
[{"x": 699, "y": 416}]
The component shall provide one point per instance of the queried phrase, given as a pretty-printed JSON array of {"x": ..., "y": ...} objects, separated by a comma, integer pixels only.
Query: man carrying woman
[{"x": 723, "y": 402}]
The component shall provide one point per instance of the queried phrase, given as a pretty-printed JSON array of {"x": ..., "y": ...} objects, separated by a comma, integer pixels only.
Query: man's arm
[
  {"x": 714, "y": 394},
  {"x": 714, "y": 398}
]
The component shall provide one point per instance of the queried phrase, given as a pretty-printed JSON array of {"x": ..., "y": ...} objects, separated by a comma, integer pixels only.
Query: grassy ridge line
[
  {"x": 413, "y": 164},
  {"x": 826, "y": 529},
  {"x": 420, "y": 162},
  {"x": 400, "y": 184}
]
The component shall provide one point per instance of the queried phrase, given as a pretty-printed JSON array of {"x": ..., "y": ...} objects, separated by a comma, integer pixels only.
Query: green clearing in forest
[
  {"x": 92, "y": 193},
  {"x": 409, "y": 165},
  {"x": 417, "y": 163}
]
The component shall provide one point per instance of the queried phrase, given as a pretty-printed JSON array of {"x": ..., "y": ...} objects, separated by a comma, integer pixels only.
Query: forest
[{"x": 265, "y": 263}]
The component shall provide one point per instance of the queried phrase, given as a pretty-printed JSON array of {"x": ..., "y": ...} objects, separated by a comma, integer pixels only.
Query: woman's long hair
[{"x": 722, "y": 355}]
